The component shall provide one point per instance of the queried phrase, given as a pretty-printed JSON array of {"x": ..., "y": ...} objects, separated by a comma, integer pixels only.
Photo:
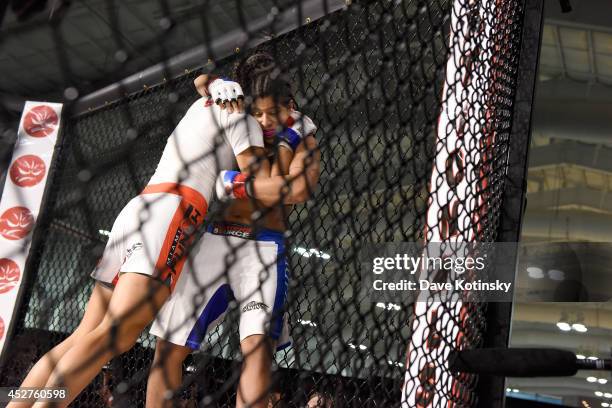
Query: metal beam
[
  {"x": 593, "y": 157},
  {"x": 568, "y": 226},
  {"x": 580, "y": 196},
  {"x": 491, "y": 390}
]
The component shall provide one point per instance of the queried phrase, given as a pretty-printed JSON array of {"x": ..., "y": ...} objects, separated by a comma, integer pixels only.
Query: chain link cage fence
[{"x": 374, "y": 76}]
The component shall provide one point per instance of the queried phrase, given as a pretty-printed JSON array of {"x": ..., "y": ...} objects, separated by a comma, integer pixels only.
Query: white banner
[{"x": 21, "y": 199}]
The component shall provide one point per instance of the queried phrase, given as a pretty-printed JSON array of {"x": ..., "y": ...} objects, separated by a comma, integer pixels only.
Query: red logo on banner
[
  {"x": 16, "y": 223},
  {"x": 28, "y": 170},
  {"x": 40, "y": 121},
  {"x": 9, "y": 275},
  {"x": 1, "y": 328}
]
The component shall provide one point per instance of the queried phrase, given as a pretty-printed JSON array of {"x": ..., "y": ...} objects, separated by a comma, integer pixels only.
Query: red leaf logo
[
  {"x": 40, "y": 121},
  {"x": 28, "y": 170},
  {"x": 16, "y": 223},
  {"x": 9, "y": 275}
]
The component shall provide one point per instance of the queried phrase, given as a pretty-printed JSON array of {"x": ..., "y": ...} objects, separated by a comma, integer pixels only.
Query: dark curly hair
[{"x": 260, "y": 76}]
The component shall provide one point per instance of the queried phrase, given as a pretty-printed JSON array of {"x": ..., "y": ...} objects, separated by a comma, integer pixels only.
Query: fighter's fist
[
  {"x": 225, "y": 93},
  {"x": 231, "y": 184},
  {"x": 297, "y": 127}
]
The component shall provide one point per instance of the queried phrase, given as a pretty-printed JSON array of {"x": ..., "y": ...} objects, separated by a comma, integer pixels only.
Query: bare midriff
[{"x": 240, "y": 212}]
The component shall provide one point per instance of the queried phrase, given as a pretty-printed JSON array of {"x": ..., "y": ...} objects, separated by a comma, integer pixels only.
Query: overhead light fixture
[
  {"x": 556, "y": 275},
  {"x": 602, "y": 380},
  {"x": 307, "y": 253},
  {"x": 358, "y": 346},
  {"x": 534, "y": 272},
  {"x": 564, "y": 326},
  {"x": 579, "y": 327},
  {"x": 104, "y": 232},
  {"x": 591, "y": 379},
  {"x": 580, "y": 356},
  {"x": 592, "y": 358},
  {"x": 599, "y": 394},
  {"x": 388, "y": 306},
  {"x": 607, "y": 395},
  {"x": 307, "y": 323},
  {"x": 395, "y": 363}
]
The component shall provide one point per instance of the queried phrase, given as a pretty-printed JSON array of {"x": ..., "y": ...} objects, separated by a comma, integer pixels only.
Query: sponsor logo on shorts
[
  {"x": 16, "y": 223},
  {"x": 40, "y": 121},
  {"x": 183, "y": 236},
  {"x": 131, "y": 250},
  {"x": 9, "y": 274},
  {"x": 233, "y": 231},
  {"x": 28, "y": 170},
  {"x": 253, "y": 305}
]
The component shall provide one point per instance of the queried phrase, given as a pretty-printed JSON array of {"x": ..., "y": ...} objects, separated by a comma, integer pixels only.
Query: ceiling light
[
  {"x": 579, "y": 327},
  {"x": 591, "y": 379},
  {"x": 563, "y": 326},
  {"x": 354, "y": 346},
  {"x": 395, "y": 363},
  {"x": 602, "y": 380},
  {"x": 598, "y": 394},
  {"x": 534, "y": 272},
  {"x": 515, "y": 390},
  {"x": 607, "y": 395},
  {"x": 592, "y": 358},
  {"x": 307, "y": 253},
  {"x": 605, "y": 404},
  {"x": 580, "y": 356},
  {"x": 556, "y": 275}
]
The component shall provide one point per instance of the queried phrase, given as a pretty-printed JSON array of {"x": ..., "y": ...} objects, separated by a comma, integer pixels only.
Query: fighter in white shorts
[
  {"x": 236, "y": 260},
  {"x": 144, "y": 256}
]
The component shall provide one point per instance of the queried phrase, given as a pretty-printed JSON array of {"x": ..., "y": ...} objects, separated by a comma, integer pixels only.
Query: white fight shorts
[
  {"x": 152, "y": 233},
  {"x": 231, "y": 261}
]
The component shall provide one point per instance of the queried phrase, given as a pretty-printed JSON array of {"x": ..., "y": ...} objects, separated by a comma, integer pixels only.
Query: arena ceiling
[
  {"x": 568, "y": 186},
  {"x": 93, "y": 43}
]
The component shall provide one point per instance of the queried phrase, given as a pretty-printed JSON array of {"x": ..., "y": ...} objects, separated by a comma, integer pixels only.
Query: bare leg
[
  {"x": 255, "y": 377},
  {"x": 166, "y": 373},
  {"x": 135, "y": 302},
  {"x": 94, "y": 313}
]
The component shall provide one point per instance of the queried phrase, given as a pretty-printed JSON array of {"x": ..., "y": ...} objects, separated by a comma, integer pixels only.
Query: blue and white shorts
[{"x": 231, "y": 261}]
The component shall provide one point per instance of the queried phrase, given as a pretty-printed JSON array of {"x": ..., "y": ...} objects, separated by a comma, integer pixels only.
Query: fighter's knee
[
  {"x": 256, "y": 345},
  {"x": 169, "y": 353},
  {"x": 119, "y": 336}
]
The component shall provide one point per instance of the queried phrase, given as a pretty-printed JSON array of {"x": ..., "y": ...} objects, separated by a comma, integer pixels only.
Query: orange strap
[{"x": 188, "y": 194}]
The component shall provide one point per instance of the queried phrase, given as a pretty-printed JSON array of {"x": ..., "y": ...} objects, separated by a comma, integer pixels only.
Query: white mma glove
[{"x": 223, "y": 90}]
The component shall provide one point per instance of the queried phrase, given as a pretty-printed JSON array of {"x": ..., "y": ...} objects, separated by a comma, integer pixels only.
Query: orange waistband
[{"x": 189, "y": 194}]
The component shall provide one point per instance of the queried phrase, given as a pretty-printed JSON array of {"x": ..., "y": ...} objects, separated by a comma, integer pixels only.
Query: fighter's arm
[
  {"x": 253, "y": 162},
  {"x": 297, "y": 186}
]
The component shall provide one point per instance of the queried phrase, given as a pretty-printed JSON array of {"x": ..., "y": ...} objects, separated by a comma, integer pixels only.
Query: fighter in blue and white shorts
[{"x": 238, "y": 263}]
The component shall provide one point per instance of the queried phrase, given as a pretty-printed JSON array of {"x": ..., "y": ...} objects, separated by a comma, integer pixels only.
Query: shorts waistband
[
  {"x": 244, "y": 231},
  {"x": 189, "y": 194}
]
